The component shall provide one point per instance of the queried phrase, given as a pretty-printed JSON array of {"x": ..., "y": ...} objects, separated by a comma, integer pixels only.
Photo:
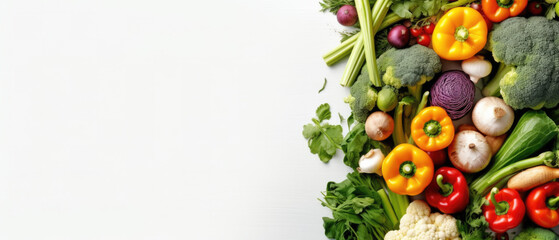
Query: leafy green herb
[
  {"x": 357, "y": 209},
  {"x": 474, "y": 225},
  {"x": 356, "y": 144},
  {"x": 323, "y": 86},
  {"x": 346, "y": 35},
  {"x": 323, "y": 139},
  {"x": 341, "y": 117},
  {"x": 350, "y": 121},
  {"x": 381, "y": 42},
  {"x": 417, "y": 8}
]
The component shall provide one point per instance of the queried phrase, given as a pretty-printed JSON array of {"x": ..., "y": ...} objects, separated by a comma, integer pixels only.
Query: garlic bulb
[
  {"x": 371, "y": 162},
  {"x": 492, "y": 116}
]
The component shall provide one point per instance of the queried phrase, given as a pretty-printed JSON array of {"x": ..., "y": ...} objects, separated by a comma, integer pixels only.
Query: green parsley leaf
[{"x": 323, "y": 139}]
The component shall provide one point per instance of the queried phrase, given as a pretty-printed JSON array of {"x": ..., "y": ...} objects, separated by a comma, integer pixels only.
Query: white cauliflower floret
[{"x": 418, "y": 223}]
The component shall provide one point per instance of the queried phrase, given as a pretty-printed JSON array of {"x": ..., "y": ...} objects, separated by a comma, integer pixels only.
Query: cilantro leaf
[{"x": 323, "y": 139}]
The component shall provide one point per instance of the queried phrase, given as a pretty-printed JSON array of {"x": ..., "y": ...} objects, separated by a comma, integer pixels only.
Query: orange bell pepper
[
  {"x": 432, "y": 129},
  {"x": 459, "y": 34},
  {"x": 407, "y": 170},
  {"x": 499, "y": 10}
]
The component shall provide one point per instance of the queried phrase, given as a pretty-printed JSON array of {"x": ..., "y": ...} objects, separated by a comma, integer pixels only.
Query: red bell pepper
[
  {"x": 505, "y": 209},
  {"x": 448, "y": 191},
  {"x": 542, "y": 204}
]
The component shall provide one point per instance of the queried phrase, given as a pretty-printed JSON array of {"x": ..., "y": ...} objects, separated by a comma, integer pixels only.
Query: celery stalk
[
  {"x": 367, "y": 32},
  {"x": 354, "y": 63},
  {"x": 340, "y": 51},
  {"x": 357, "y": 57},
  {"x": 388, "y": 210},
  {"x": 344, "y": 49}
]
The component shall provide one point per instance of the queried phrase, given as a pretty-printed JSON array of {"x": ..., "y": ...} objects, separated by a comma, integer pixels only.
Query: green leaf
[
  {"x": 550, "y": 14},
  {"x": 310, "y": 131},
  {"x": 348, "y": 216},
  {"x": 363, "y": 233},
  {"x": 323, "y": 139},
  {"x": 323, "y": 112},
  {"x": 323, "y": 86},
  {"x": 360, "y": 203},
  {"x": 350, "y": 121}
]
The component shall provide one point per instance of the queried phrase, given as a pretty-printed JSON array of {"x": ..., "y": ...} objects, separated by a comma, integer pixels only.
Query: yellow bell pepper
[
  {"x": 459, "y": 34},
  {"x": 407, "y": 170},
  {"x": 432, "y": 129}
]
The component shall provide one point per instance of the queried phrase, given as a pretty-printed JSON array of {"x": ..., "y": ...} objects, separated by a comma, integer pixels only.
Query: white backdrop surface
[{"x": 165, "y": 119}]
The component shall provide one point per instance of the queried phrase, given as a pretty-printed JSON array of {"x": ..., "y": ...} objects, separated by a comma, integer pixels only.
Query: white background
[{"x": 168, "y": 119}]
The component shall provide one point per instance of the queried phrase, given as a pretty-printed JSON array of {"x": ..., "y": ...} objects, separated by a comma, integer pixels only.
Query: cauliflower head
[{"x": 419, "y": 223}]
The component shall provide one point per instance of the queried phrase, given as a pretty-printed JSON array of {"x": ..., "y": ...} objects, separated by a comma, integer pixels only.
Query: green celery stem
[
  {"x": 482, "y": 184},
  {"x": 500, "y": 207},
  {"x": 552, "y": 202},
  {"x": 446, "y": 189},
  {"x": 346, "y": 47},
  {"x": 398, "y": 135},
  {"x": 387, "y": 207},
  {"x": 340, "y": 51}
]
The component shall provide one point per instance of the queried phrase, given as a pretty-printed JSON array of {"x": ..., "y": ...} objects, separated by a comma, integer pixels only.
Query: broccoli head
[
  {"x": 528, "y": 50},
  {"x": 409, "y": 67},
  {"x": 363, "y": 97},
  {"x": 536, "y": 234}
]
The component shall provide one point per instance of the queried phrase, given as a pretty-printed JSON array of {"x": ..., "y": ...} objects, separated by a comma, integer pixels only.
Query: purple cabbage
[{"x": 454, "y": 92}]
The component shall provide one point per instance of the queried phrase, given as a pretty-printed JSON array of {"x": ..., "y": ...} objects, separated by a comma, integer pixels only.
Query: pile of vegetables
[{"x": 453, "y": 129}]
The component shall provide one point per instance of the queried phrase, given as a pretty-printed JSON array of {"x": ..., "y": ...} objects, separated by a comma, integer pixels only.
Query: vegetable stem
[
  {"x": 446, "y": 188},
  {"x": 346, "y": 47},
  {"x": 387, "y": 207},
  {"x": 398, "y": 135},
  {"x": 407, "y": 169},
  {"x": 502, "y": 207},
  {"x": 493, "y": 88},
  {"x": 482, "y": 184},
  {"x": 325, "y": 134},
  {"x": 552, "y": 202},
  {"x": 341, "y": 50},
  {"x": 357, "y": 56}
]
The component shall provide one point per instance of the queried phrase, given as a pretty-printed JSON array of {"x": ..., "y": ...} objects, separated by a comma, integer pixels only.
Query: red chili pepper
[
  {"x": 542, "y": 204},
  {"x": 505, "y": 209},
  {"x": 448, "y": 191}
]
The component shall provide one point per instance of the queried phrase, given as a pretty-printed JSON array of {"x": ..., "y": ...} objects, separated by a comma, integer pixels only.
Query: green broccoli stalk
[
  {"x": 363, "y": 97},
  {"x": 527, "y": 49},
  {"x": 506, "y": 73},
  {"x": 409, "y": 67}
]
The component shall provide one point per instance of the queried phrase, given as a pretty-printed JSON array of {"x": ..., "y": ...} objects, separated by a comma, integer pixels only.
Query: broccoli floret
[
  {"x": 363, "y": 97},
  {"x": 528, "y": 50},
  {"x": 409, "y": 67},
  {"x": 536, "y": 234}
]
